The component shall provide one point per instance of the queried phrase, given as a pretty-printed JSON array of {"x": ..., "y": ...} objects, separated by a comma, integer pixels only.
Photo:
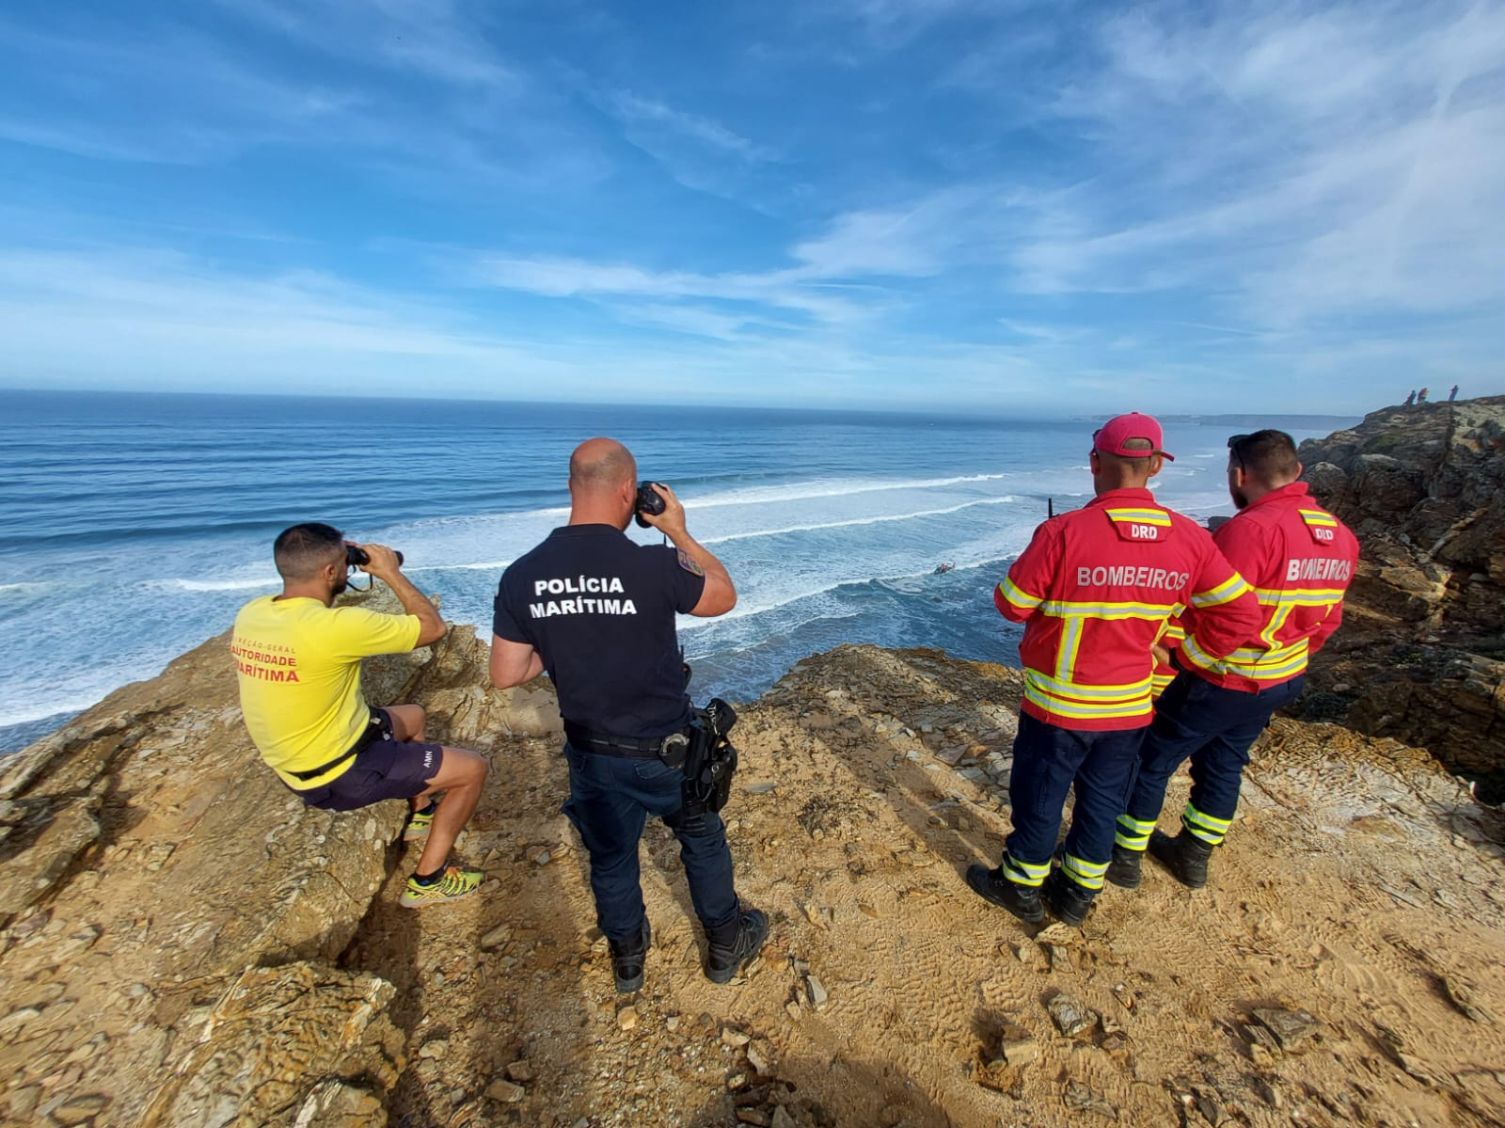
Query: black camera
[
  {"x": 649, "y": 502},
  {"x": 356, "y": 557}
]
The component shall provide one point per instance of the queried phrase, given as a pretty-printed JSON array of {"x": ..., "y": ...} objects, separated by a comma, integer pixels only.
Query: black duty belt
[
  {"x": 375, "y": 729},
  {"x": 608, "y": 744}
]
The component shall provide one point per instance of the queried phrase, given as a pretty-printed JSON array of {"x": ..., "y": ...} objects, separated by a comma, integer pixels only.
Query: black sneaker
[
  {"x": 1123, "y": 870},
  {"x": 627, "y": 961},
  {"x": 1021, "y": 900},
  {"x": 1069, "y": 901},
  {"x": 1186, "y": 856},
  {"x": 725, "y": 959}
]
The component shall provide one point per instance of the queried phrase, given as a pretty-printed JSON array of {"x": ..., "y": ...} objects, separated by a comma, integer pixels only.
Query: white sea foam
[
  {"x": 879, "y": 519},
  {"x": 75, "y": 704},
  {"x": 215, "y": 585},
  {"x": 749, "y": 495},
  {"x": 841, "y": 487},
  {"x": 484, "y": 565}
]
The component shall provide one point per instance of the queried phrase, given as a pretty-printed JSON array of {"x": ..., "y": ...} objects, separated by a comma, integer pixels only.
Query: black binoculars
[
  {"x": 649, "y": 502},
  {"x": 357, "y": 558}
]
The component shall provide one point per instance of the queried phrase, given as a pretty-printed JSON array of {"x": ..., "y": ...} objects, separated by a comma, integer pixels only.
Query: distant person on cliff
[
  {"x": 1421, "y": 396},
  {"x": 597, "y": 612},
  {"x": 1300, "y": 559},
  {"x": 299, "y": 663},
  {"x": 1095, "y": 590},
  {"x": 1410, "y": 398},
  {"x": 1453, "y": 395}
]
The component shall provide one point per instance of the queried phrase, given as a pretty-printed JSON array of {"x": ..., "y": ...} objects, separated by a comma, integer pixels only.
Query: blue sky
[{"x": 952, "y": 204}]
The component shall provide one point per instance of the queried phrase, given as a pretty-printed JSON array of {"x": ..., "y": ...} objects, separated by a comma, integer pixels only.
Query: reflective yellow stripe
[
  {"x": 1053, "y": 704},
  {"x": 1091, "y": 869},
  {"x": 1071, "y": 642},
  {"x": 1204, "y": 826},
  {"x": 1300, "y": 597},
  {"x": 1255, "y": 654},
  {"x": 1259, "y": 665},
  {"x": 1226, "y": 592},
  {"x": 1141, "y": 516},
  {"x": 1089, "y": 875},
  {"x": 1194, "y": 654},
  {"x": 1065, "y": 609},
  {"x": 1023, "y": 873},
  {"x": 1261, "y": 672},
  {"x": 1018, "y": 596},
  {"x": 1056, "y": 687},
  {"x": 1133, "y": 834},
  {"x": 1174, "y": 632},
  {"x": 1317, "y": 517},
  {"x": 1274, "y": 626}
]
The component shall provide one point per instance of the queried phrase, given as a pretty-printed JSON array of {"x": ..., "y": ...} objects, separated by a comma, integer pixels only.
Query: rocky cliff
[
  {"x": 1420, "y": 655},
  {"x": 172, "y": 918},
  {"x": 183, "y": 943}
]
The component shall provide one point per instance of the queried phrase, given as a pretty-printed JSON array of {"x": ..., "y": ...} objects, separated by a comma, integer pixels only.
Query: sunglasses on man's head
[{"x": 1235, "y": 442}]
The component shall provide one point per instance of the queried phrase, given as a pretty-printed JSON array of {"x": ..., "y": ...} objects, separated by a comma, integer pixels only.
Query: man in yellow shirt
[{"x": 299, "y": 663}]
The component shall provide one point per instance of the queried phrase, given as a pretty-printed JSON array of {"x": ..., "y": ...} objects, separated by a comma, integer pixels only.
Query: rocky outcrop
[
  {"x": 1420, "y": 654},
  {"x": 162, "y": 894},
  {"x": 187, "y": 945},
  {"x": 183, "y": 943}
]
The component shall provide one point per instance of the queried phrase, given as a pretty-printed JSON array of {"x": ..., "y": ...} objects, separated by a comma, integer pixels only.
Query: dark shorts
[{"x": 383, "y": 769}]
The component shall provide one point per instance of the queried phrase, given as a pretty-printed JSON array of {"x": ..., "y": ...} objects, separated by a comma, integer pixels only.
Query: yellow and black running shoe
[
  {"x": 454, "y": 884},
  {"x": 419, "y": 824}
]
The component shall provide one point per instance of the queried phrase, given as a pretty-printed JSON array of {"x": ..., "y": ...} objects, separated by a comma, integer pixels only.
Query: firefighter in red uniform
[
  {"x": 1096, "y": 588},
  {"x": 1300, "y": 559}
]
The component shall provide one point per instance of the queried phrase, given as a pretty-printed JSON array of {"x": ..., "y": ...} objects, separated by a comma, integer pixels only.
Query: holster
[{"x": 710, "y": 759}]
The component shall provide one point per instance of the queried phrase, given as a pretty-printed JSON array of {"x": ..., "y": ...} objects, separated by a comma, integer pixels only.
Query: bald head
[{"x": 601, "y": 466}]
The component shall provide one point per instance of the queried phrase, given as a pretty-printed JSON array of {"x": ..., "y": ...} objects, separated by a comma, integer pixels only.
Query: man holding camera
[
  {"x": 597, "y": 612},
  {"x": 298, "y": 658}
]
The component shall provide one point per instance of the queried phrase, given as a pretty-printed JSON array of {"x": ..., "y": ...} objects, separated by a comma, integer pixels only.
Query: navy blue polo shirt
[{"x": 599, "y": 608}]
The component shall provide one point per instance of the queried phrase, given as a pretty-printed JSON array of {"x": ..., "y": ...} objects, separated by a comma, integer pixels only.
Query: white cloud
[
  {"x": 648, "y": 114},
  {"x": 439, "y": 39},
  {"x": 1305, "y": 163},
  {"x": 842, "y": 277}
]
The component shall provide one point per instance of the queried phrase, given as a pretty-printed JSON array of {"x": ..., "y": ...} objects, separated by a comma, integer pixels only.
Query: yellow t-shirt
[{"x": 300, "y": 678}]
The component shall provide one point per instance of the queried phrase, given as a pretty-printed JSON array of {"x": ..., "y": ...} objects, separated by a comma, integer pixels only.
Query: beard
[
  {"x": 1240, "y": 500},
  {"x": 343, "y": 583}
]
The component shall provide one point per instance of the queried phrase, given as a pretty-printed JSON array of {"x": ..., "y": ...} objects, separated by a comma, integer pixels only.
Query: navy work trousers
[
  {"x": 610, "y": 800},
  {"x": 1048, "y": 761},
  {"x": 1214, "y": 728}
]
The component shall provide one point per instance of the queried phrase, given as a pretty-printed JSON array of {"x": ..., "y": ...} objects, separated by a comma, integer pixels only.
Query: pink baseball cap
[{"x": 1113, "y": 436}]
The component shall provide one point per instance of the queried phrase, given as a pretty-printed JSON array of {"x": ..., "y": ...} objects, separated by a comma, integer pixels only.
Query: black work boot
[
  {"x": 1185, "y": 856},
  {"x": 1123, "y": 870},
  {"x": 1021, "y": 900},
  {"x": 627, "y": 960},
  {"x": 1069, "y": 901},
  {"x": 731, "y": 951}
]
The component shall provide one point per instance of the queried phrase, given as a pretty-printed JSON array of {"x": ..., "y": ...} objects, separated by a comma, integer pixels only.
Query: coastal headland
[{"x": 183, "y": 943}]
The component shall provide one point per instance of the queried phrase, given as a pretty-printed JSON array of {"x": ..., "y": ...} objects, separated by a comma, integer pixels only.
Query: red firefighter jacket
[
  {"x": 1300, "y": 559},
  {"x": 1096, "y": 587}
]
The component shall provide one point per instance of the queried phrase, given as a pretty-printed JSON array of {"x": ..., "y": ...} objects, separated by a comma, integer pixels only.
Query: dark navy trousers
[
  {"x": 1048, "y": 762},
  {"x": 610, "y": 800},
  {"x": 1214, "y": 728}
]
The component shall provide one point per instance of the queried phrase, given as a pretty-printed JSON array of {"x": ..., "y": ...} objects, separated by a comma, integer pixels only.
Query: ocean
[{"x": 132, "y": 526}]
